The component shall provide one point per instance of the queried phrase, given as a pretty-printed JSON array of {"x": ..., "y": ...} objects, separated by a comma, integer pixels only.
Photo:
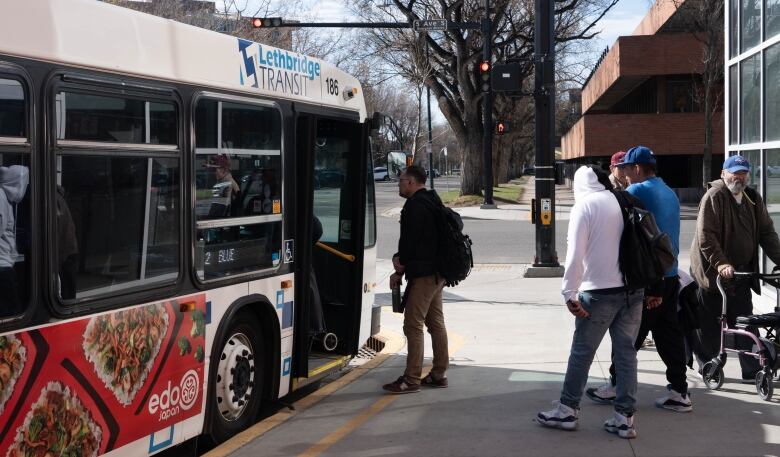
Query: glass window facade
[
  {"x": 734, "y": 104},
  {"x": 772, "y": 93},
  {"x": 771, "y": 18},
  {"x": 750, "y": 24},
  {"x": 750, "y": 99},
  {"x": 753, "y": 88}
]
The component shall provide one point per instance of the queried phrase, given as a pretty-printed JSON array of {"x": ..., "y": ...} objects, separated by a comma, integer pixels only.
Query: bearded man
[{"x": 733, "y": 222}]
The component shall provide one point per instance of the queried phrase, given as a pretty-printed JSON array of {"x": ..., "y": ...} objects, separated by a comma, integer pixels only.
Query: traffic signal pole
[
  {"x": 544, "y": 94},
  {"x": 487, "y": 115}
]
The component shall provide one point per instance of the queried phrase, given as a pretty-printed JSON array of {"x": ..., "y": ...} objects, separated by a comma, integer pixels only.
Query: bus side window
[
  {"x": 117, "y": 213},
  {"x": 238, "y": 170},
  {"x": 15, "y": 236}
]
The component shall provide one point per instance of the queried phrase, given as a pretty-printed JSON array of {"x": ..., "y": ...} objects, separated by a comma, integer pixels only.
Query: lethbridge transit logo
[{"x": 274, "y": 69}]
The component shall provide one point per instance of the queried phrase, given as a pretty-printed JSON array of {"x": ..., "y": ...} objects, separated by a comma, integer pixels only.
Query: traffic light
[
  {"x": 262, "y": 22},
  {"x": 409, "y": 160},
  {"x": 484, "y": 74},
  {"x": 502, "y": 127}
]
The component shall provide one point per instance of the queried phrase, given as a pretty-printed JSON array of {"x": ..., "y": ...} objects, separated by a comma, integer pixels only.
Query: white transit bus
[{"x": 161, "y": 188}]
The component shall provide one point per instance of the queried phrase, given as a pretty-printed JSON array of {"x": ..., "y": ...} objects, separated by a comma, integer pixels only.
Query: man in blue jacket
[{"x": 660, "y": 312}]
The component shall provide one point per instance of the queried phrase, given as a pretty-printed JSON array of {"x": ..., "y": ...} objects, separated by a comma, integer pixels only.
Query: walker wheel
[
  {"x": 764, "y": 385},
  {"x": 712, "y": 375}
]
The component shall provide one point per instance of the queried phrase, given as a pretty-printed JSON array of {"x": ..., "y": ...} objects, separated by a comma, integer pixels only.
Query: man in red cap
[
  {"x": 221, "y": 165},
  {"x": 617, "y": 177}
]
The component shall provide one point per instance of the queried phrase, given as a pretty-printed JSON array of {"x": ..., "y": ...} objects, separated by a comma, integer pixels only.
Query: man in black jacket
[{"x": 416, "y": 259}]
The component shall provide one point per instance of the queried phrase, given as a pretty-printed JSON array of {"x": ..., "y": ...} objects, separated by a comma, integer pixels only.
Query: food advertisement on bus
[{"x": 65, "y": 389}]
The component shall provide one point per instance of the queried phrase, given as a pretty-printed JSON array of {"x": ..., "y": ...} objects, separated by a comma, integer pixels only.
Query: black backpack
[
  {"x": 453, "y": 259},
  {"x": 646, "y": 253}
]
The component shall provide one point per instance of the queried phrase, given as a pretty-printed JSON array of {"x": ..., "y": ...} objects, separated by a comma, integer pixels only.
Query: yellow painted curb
[{"x": 395, "y": 342}]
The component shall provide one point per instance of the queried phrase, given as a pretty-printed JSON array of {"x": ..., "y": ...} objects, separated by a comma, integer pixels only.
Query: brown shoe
[
  {"x": 430, "y": 381},
  {"x": 401, "y": 386}
]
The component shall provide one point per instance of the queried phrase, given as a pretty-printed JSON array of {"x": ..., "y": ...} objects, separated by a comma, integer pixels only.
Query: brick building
[{"x": 642, "y": 92}]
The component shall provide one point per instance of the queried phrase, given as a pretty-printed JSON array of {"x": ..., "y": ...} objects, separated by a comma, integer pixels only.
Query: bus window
[
  {"x": 117, "y": 215},
  {"x": 12, "y": 112},
  {"x": 15, "y": 236},
  {"x": 369, "y": 238},
  {"x": 238, "y": 171},
  {"x": 331, "y": 163}
]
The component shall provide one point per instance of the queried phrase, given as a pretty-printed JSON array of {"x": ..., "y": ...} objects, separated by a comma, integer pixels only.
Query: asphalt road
[{"x": 494, "y": 241}]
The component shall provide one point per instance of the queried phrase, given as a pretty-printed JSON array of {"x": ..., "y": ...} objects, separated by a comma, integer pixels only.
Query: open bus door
[{"x": 330, "y": 181}]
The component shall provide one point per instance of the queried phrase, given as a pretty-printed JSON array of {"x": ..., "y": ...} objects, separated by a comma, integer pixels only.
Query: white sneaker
[
  {"x": 603, "y": 394},
  {"x": 561, "y": 416},
  {"x": 621, "y": 425},
  {"x": 675, "y": 401}
]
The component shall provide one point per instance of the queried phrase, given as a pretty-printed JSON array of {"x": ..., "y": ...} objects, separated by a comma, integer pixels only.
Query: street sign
[
  {"x": 506, "y": 77},
  {"x": 427, "y": 25}
]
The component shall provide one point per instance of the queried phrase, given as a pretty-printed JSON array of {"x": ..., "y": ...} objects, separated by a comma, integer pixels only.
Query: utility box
[{"x": 506, "y": 77}]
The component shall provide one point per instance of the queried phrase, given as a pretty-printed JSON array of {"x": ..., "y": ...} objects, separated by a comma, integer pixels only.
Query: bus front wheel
[{"x": 238, "y": 388}]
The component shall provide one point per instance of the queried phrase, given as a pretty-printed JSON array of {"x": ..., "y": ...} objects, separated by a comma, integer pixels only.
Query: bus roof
[{"x": 97, "y": 35}]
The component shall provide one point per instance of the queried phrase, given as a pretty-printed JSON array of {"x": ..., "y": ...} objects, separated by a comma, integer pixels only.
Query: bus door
[{"x": 332, "y": 163}]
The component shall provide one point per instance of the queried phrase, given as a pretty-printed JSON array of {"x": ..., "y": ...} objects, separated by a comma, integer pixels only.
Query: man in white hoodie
[
  {"x": 13, "y": 181},
  {"x": 594, "y": 292}
]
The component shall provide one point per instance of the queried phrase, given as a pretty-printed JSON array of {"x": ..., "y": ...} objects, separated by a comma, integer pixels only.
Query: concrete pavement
[{"x": 509, "y": 341}]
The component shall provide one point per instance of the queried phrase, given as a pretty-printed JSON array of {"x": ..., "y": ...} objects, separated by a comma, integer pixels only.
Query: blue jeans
[{"x": 621, "y": 313}]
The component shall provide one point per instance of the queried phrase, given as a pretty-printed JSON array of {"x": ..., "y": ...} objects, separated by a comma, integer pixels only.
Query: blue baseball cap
[
  {"x": 638, "y": 154},
  {"x": 736, "y": 163}
]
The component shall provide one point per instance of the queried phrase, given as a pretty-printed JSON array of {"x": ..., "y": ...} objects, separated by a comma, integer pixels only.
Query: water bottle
[{"x": 397, "y": 300}]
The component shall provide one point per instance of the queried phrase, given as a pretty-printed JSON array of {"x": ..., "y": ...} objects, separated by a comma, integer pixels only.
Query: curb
[{"x": 393, "y": 343}]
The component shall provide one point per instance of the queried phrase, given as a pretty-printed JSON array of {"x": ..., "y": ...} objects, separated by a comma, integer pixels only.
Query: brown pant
[{"x": 423, "y": 306}]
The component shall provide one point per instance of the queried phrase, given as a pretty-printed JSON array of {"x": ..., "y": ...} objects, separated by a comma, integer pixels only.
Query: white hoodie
[
  {"x": 595, "y": 227},
  {"x": 13, "y": 185}
]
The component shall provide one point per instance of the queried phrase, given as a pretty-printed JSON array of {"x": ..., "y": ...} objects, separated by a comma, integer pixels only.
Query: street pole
[
  {"x": 544, "y": 94},
  {"x": 430, "y": 128},
  {"x": 487, "y": 108}
]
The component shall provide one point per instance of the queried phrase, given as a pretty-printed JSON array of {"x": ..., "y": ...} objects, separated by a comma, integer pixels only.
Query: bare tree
[
  {"x": 454, "y": 54},
  {"x": 704, "y": 19}
]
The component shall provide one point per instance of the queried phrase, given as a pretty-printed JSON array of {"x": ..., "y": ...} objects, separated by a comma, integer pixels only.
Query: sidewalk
[
  {"x": 509, "y": 343},
  {"x": 564, "y": 200}
]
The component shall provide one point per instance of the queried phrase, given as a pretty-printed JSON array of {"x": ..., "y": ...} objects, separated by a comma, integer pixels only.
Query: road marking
[
  {"x": 333, "y": 438},
  {"x": 394, "y": 344},
  {"x": 456, "y": 342}
]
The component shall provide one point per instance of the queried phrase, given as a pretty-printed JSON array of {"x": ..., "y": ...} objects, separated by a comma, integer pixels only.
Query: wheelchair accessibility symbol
[{"x": 289, "y": 250}]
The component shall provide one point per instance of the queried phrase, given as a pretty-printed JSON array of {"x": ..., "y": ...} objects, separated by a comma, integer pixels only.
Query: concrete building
[{"x": 643, "y": 92}]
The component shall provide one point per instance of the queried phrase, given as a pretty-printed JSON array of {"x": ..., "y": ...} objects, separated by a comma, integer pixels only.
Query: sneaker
[
  {"x": 561, "y": 416},
  {"x": 622, "y": 426},
  {"x": 430, "y": 381},
  {"x": 401, "y": 386},
  {"x": 675, "y": 401},
  {"x": 603, "y": 394}
]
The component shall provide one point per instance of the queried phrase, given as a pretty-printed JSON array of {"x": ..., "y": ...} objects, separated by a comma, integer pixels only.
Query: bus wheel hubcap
[{"x": 235, "y": 377}]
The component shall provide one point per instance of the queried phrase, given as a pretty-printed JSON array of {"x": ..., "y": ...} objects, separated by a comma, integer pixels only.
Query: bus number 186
[{"x": 332, "y": 86}]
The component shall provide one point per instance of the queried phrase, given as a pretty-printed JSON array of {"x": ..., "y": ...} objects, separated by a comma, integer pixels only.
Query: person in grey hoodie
[
  {"x": 594, "y": 292},
  {"x": 13, "y": 181}
]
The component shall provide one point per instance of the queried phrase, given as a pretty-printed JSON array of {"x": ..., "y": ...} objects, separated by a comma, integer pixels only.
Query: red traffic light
[
  {"x": 484, "y": 66},
  {"x": 502, "y": 127},
  {"x": 260, "y": 22}
]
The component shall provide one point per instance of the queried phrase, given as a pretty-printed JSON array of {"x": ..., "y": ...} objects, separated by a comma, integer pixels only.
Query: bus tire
[{"x": 238, "y": 372}]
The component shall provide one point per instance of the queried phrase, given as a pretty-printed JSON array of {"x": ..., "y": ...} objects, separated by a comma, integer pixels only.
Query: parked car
[
  {"x": 456, "y": 171},
  {"x": 530, "y": 171},
  {"x": 436, "y": 173},
  {"x": 381, "y": 174}
]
